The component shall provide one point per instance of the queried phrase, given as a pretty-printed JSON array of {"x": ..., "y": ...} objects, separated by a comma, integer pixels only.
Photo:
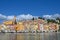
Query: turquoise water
[{"x": 30, "y": 36}]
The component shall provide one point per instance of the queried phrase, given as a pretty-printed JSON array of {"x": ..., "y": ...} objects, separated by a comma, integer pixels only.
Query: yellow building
[
  {"x": 19, "y": 26},
  {"x": 35, "y": 27},
  {"x": 8, "y": 22},
  {"x": 46, "y": 27}
]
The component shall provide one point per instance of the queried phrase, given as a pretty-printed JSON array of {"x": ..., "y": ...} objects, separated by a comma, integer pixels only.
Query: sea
[{"x": 30, "y": 36}]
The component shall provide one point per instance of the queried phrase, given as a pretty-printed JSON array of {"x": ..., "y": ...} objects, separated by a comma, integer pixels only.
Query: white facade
[{"x": 41, "y": 27}]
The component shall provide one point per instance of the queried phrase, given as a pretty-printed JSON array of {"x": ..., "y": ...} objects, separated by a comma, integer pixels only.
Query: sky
[
  {"x": 33, "y": 7},
  {"x": 42, "y": 8}
]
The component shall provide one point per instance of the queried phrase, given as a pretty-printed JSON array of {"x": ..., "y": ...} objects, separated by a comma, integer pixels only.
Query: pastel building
[
  {"x": 19, "y": 27},
  {"x": 39, "y": 25},
  {"x": 46, "y": 28},
  {"x": 53, "y": 27}
]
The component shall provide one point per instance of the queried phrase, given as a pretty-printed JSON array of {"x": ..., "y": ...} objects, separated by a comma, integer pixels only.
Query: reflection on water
[{"x": 30, "y": 36}]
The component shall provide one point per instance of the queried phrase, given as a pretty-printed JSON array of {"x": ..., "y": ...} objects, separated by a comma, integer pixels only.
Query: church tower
[{"x": 14, "y": 20}]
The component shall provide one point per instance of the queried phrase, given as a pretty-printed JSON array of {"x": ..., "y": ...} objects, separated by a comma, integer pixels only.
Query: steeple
[{"x": 14, "y": 20}]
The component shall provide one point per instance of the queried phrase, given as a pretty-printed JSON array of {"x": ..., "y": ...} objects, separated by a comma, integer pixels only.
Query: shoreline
[{"x": 29, "y": 32}]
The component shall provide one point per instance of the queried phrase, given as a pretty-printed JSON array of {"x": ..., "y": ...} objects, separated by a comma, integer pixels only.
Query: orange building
[
  {"x": 8, "y": 22},
  {"x": 19, "y": 27}
]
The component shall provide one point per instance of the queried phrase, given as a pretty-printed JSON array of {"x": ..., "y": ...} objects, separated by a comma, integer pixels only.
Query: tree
[
  {"x": 40, "y": 18},
  {"x": 33, "y": 18},
  {"x": 51, "y": 20},
  {"x": 58, "y": 20}
]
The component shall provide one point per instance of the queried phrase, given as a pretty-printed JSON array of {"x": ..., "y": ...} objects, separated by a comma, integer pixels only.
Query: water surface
[{"x": 30, "y": 36}]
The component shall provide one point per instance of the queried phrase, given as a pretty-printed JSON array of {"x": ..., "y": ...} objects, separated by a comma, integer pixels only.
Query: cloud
[
  {"x": 2, "y": 16},
  {"x": 28, "y": 17},
  {"x": 9, "y": 17},
  {"x": 51, "y": 16},
  {"x": 56, "y": 15},
  {"x": 18, "y": 17},
  {"x": 24, "y": 17}
]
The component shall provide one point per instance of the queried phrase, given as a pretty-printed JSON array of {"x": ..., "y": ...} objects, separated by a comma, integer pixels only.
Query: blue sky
[
  {"x": 33, "y": 7},
  {"x": 27, "y": 9}
]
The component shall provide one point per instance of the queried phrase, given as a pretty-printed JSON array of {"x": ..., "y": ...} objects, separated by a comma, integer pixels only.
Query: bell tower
[{"x": 14, "y": 20}]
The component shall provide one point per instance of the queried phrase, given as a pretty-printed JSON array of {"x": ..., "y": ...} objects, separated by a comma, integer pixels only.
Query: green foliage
[
  {"x": 51, "y": 20},
  {"x": 33, "y": 18},
  {"x": 40, "y": 18},
  {"x": 58, "y": 19}
]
